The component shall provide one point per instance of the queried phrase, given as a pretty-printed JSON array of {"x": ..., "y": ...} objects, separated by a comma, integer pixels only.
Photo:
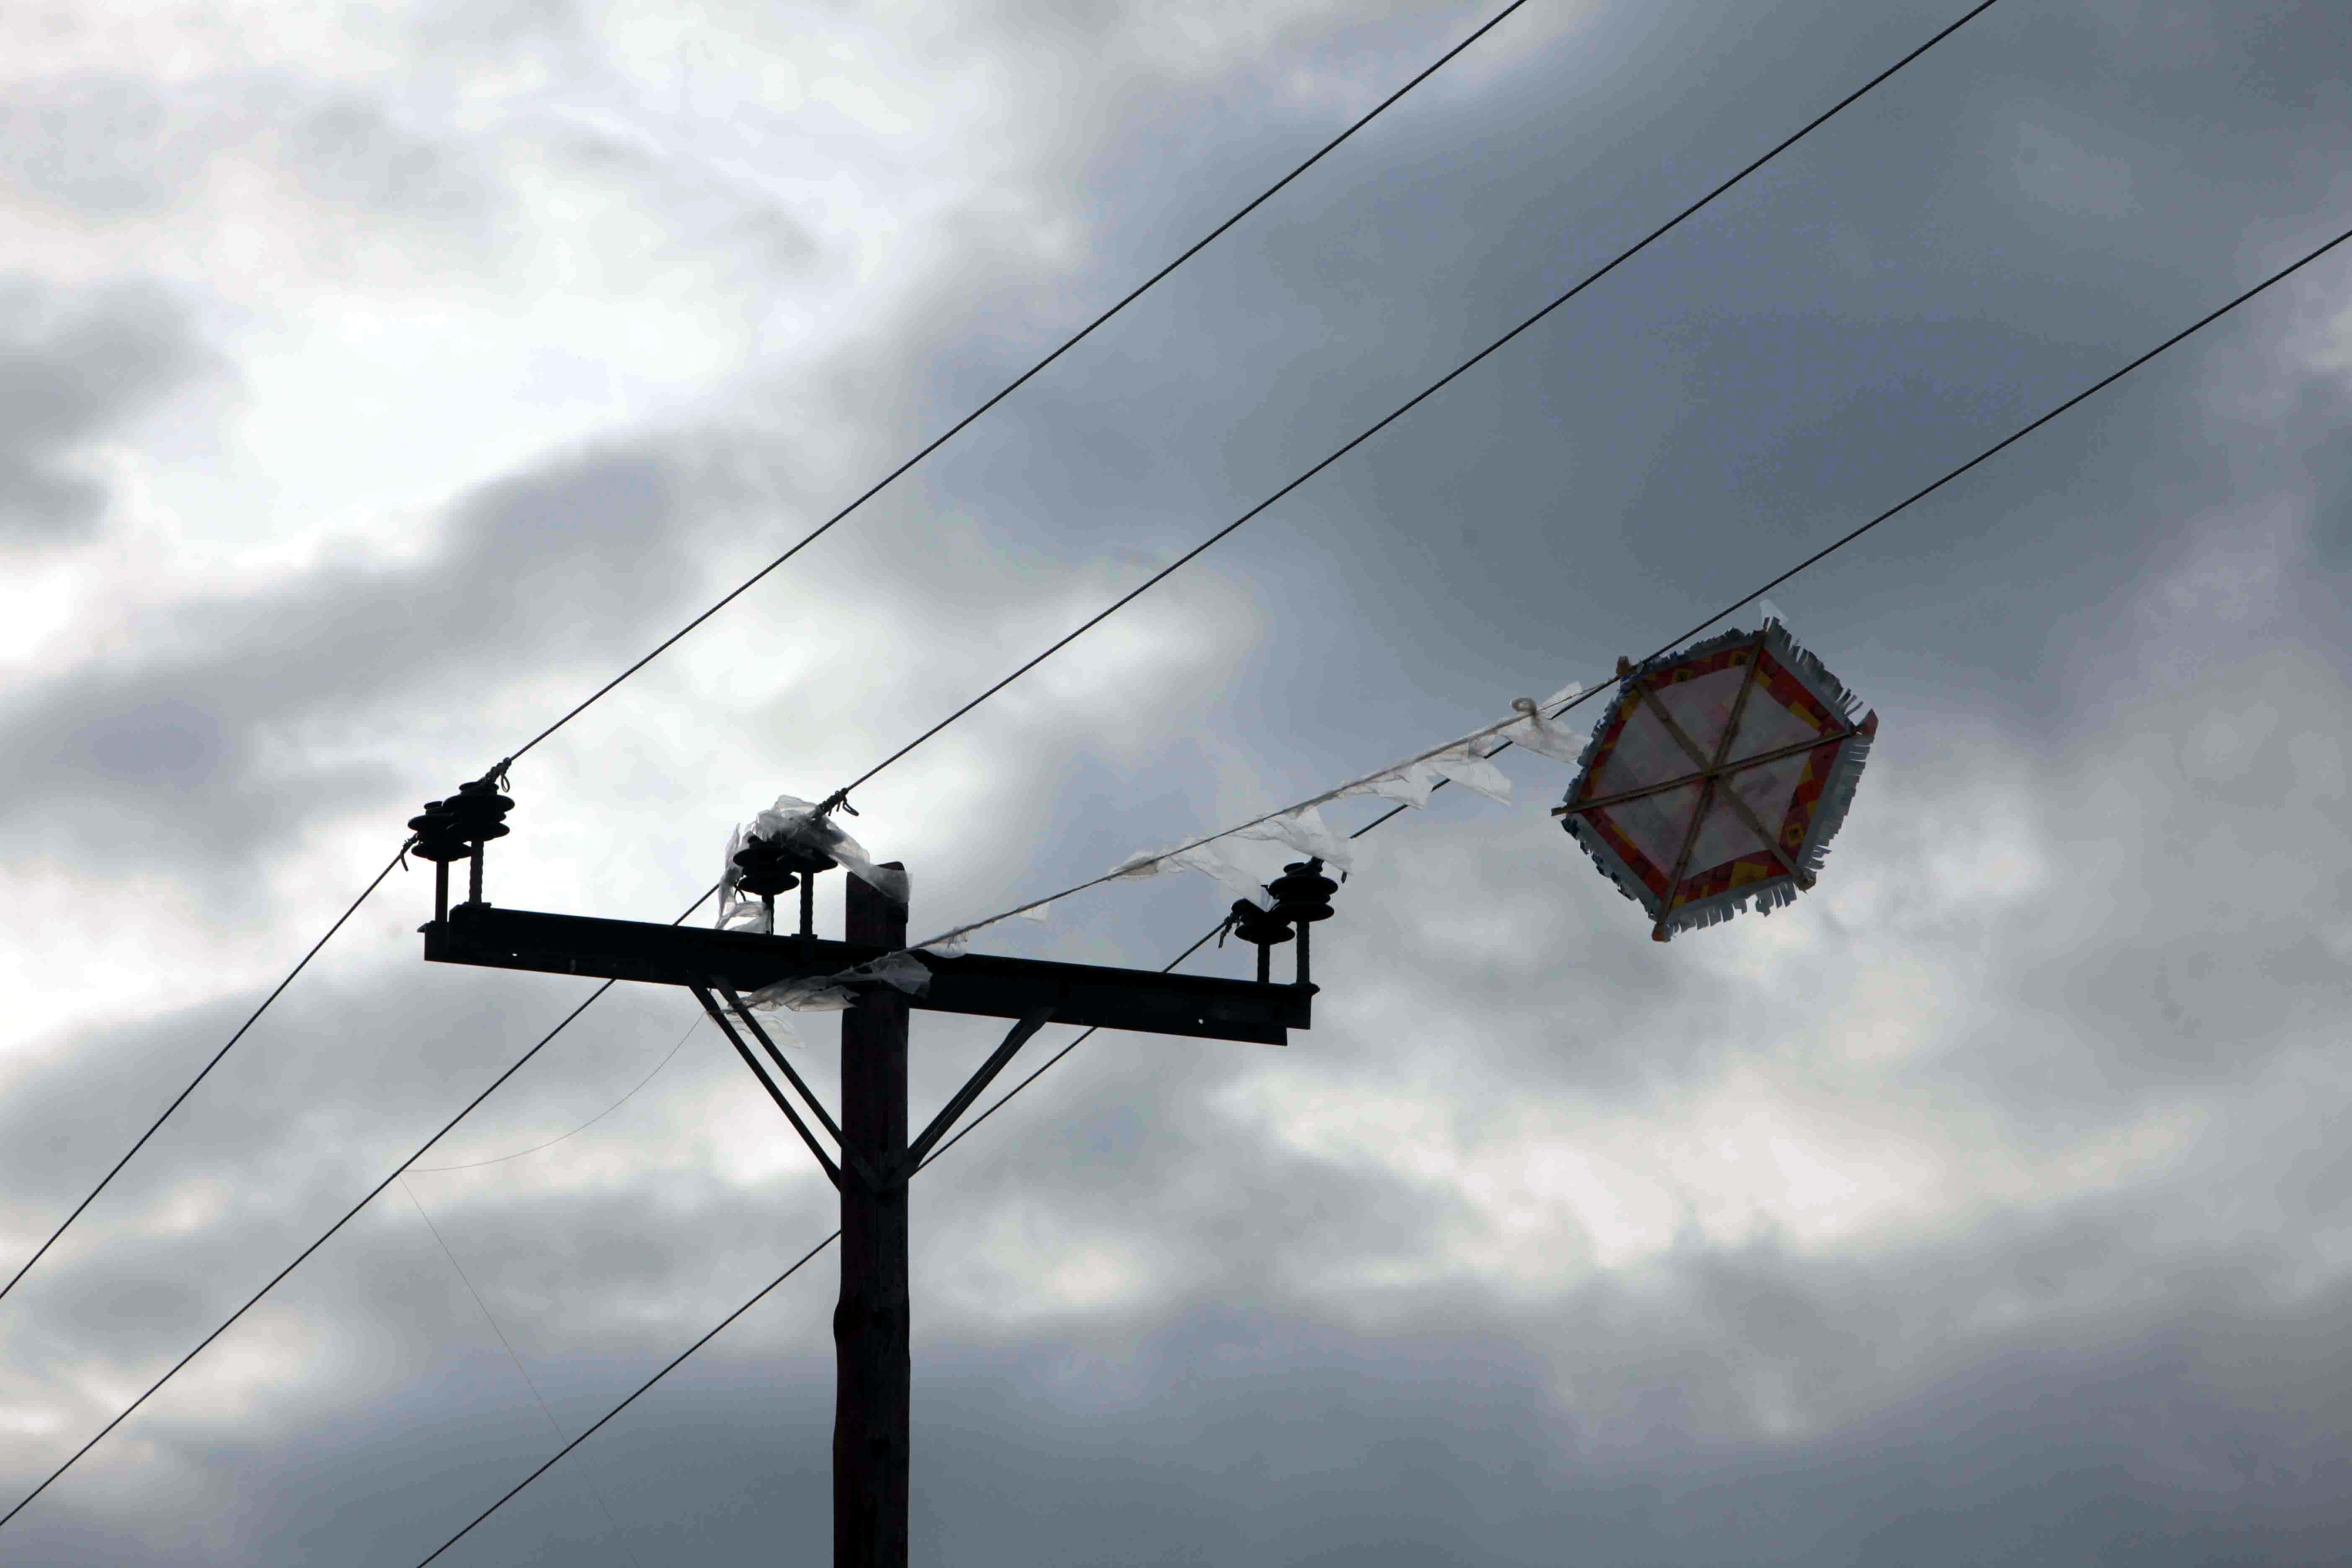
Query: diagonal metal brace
[
  {"x": 831, "y": 1171},
  {"x": 974, "y": 1088},
  {"x": 777, "y": 1057}
]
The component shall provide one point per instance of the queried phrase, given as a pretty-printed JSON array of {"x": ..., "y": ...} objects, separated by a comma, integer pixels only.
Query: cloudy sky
[{"x": 377, "y": 379}]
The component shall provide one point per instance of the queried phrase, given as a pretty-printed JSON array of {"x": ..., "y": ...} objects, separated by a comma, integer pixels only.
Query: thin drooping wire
[
  {"x": 523, "y": 1372},
  {"x": 502, "y": 1159},
  {"x": 241, "y": 1028},
  {"x": 1841, "y": 541},
  {"x": 877, "y": 489},
  {"x": 348, "y": 1215},
  {"x": 1023, "y": 379},
  {"x": 1426, "y": 393},
  {"x": 675, "y": 1363}
]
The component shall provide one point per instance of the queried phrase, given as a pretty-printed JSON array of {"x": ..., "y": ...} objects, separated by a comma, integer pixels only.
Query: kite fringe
[
  {"x": 1610, "y": 865},
  {"x": 1763, "y": 897},
  {"x": 1802, "y": 662},
  {"x": 1837, "y": 795}
]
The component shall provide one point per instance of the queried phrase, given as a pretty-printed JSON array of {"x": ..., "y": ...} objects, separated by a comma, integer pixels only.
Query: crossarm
[{"x": 1202, "y": 1006}]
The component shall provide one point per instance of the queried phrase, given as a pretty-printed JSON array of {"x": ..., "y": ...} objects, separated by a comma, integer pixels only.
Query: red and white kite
[{"x": 1718, "y": 777}]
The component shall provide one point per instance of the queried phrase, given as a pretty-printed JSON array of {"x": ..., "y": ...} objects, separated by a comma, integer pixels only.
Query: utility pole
[{"x": 874, "y": 1366}]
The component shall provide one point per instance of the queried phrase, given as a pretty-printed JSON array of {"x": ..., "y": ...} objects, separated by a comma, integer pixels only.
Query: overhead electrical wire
[
  {"x": 329, "y": 1234},
  {"x": 674, "y": 1361},
  {"x": 1620, "y": 259},
  {"x": 1836, "y": 544},
  {"x": 811, "y": 537},
  {"x": 1431, "y": 390},
  {"x": 1018, "y": 382},
  {"x": 251, "y": 1018}
]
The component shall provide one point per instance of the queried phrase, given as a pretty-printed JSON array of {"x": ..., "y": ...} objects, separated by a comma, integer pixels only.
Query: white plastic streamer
[
  {"x": 796, "y": 821},
  {"x": 838, "y": 993},
  {"x": 1214, "y": 861},
  {"x": 1411, "y": 784},
  {"x": 1301, "y": 827},
  {"x": 1304, "y": 830},
  {"x": 1536, "y": 732},
  {"x": 816, "y": 993},
  {"x": 902, "y": 969},
  {"x": 1463, "y": 764}
]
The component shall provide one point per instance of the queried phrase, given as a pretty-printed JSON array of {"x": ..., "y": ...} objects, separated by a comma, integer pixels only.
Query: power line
[
  {"x": 1409, "y": 405},
  {"x": 2105, "y": 382},
  {"x": 1922, "y": 493},
  {"x": 1380, "y": 424},
  {"x": 673, "y": 1363},
  {"x": 241, "y": 1028},
  {"x": 348, "y": 1215},
  {"x": 1018, "y": 382},
  {"x": 810, "y": 538}
]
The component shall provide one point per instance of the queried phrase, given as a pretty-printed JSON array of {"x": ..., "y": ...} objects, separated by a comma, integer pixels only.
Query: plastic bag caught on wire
[{"x": 795, "y": 821}]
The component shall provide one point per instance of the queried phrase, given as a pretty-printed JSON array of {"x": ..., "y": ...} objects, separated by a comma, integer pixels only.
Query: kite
[{"x": 1716, "y": 779}]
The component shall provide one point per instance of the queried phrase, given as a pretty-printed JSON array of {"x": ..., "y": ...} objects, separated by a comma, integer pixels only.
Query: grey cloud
[
  {"x": 344, "y": 175},
  {"x": 171, "y": 741},
  {"x": 562, "y": 562},
  {"x": 103, "y": 144},
  {"x": 2183, "y": 1438},
  {"x": 2141, "y": 1371},
  {"x": 77, "y": 368},
  {"x": 352, "y": 153}
]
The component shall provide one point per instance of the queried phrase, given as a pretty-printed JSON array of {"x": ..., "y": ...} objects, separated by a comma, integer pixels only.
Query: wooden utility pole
[
  {"x": 874, "y": 1366},
  {"x": 876, "y": 1158}
]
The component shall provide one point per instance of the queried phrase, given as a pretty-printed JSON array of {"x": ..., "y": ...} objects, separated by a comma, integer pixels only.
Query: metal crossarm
[{"x": 987, "y": 985}]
